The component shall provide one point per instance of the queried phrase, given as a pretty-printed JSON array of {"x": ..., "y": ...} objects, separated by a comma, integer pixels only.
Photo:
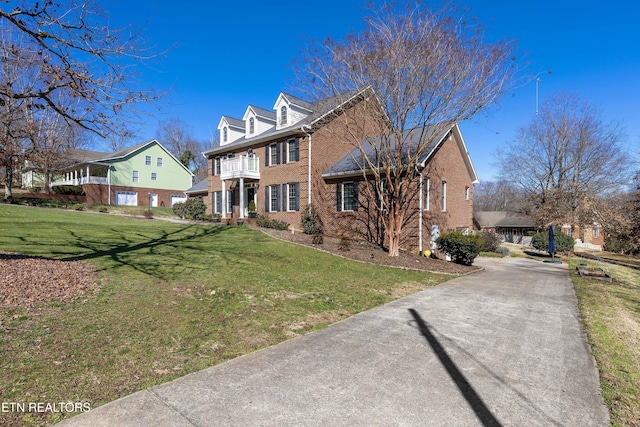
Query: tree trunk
[
  {"x": 395, "y": 227},
  {"x": 8, "y": 193}
]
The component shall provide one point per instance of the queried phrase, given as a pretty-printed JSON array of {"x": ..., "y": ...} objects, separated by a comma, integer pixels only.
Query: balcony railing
[
  {"x": 240, "y": 167},
  {"x": 82, "y": 180}
]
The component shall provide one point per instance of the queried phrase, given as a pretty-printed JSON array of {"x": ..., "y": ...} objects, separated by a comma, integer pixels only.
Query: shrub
[
  {"x": 311, "y": 222},
  {"x": 194, "y": 208},
  {"x": 103, "y": 209},
  {"x": 78, "y": 207},
  {"x": 345, "y": 244},
  {"x": 264, "y": 222},
  {"x": 34, "y": 189},
  {"x": 318, "y": 239},
  {"x": 563, "y": 242},
  {"x": 74, "y": 190},
  {"x": 502, "y": 251},
  {"x": 148, "y": 214},
  {"x": 179, "y": 209},
  {"x": 252, "y": 206},
  {"x": 461, "y": 248},
  {"x": 491, "y": 241},
  {"x": 279, "y": 225}
]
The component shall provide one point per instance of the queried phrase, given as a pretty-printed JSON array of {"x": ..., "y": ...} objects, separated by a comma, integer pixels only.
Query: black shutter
[
  {"x": 285, "y": 196},
  {"x": 297, "y": 191},
  {"x": 339, "y": 197},
  {"x": 266, "y": 157},
  {"x": 355, "y": 196},
  {"x": 284, "y": 152},
  {"x": 266, "y": 199},
  {"x": 276, "y": 188},
  {"x": 278, "y": 153}
]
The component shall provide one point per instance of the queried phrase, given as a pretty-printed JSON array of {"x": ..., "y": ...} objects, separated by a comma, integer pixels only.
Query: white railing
[
  {"x": 82, "y": 180},
  {"x": 240, "y": 167}
]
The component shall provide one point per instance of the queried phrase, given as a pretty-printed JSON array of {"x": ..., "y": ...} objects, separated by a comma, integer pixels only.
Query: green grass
[
  {"x": 173, "y": 299},
  {"x": 611, "y": 316}
]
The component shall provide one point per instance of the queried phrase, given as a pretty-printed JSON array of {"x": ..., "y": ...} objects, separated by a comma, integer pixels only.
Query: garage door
[
  {"x": 126, "y": 198},
  {"x": 175, "y": 198}
]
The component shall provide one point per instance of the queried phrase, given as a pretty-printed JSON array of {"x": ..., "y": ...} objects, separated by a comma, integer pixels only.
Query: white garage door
[
  {"x": 126, "y": 198},
  {"x": 175, "y": 198}
]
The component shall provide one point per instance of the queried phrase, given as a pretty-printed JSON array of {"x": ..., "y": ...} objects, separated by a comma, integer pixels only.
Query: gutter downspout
[
  {"x": 420, "y": 217},
  {"x": 309, "y": 161}
]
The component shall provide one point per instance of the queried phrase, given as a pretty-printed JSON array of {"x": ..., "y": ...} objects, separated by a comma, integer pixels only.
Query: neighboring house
[
  {"x": 143, "y": 175},
  {"x": 588, "y": 237},
  {"x": 290, "y": 157},
  {"x": 513, "y": 226},
  {"x": 200, "y": 190}
]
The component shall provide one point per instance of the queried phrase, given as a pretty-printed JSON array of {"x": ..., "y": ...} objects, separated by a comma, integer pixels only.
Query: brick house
[{"x": 298, "y": 154}]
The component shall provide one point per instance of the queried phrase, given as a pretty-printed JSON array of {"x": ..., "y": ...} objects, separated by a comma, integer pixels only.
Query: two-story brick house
[{"x": 299, "y": 153}]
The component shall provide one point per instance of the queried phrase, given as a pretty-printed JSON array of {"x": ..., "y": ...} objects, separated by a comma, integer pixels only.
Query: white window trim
[
  {"x": 135, "y": 176},
  {"x": 444, "y": 196},
  {"x": 427, "y": 194},
  {"x": 343, "y": 196}
]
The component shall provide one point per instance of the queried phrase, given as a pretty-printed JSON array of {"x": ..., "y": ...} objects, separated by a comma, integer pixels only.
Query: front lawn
[{"x": 173, "y": 299}]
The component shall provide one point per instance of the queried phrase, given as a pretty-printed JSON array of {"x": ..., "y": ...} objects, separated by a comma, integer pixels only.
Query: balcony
[{"x": 240, "y": 167}]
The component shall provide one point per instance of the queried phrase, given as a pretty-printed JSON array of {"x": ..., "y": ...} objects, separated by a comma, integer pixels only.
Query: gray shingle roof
[
  {"x": 236, "y": 123},
  {"x": 353, "y": 162},
  {"x": 200, "y": 187},
  {"x": 491, "y": 219},
  {"x": 262, "y": 112}
]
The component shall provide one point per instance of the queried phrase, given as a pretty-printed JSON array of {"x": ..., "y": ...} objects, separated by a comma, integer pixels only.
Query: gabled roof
[
  {"x": 261, "y": 112},
  {"x": 352, "y": 163},
  {"x": 321, "y": 110},
  {"x": 232, "y": 122},
  {"x": 505, "y": 219},
  {"x": 295, "y": 101},
  {"x": 79, "y": 156}
]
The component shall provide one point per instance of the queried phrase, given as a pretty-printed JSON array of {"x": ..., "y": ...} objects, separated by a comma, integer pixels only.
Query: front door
[
  {"x": 153, "y": 200},
  {"x": 251, "y": 194}
]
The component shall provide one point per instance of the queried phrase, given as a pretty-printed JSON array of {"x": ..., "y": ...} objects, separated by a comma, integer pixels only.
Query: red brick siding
[{"x": 100, "y": 194}]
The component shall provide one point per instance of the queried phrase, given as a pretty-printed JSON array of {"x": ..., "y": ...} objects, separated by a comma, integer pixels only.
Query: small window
[
  {"x": 283, "y": 115},
  {"x": 159, "y": 162},
  {"x": 466, "y": 193},
  {"x": 596, "y": 233},
  {"x": 273, "y": 154},
  {"x": 134, "y": 176},
  {"x": 251, "y": 125},
  {"x": 444, "y": 196},
  {"x": 154, "y": 176},
  {"x": 224, "y": 134},
  {"x": 147, "y": 160},
  {"x": 347, "y": 196},
  {"x": 217, "y": 166}
]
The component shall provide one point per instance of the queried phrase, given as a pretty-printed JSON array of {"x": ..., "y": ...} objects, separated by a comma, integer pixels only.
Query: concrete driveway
[{"x": 500, "y": 347}]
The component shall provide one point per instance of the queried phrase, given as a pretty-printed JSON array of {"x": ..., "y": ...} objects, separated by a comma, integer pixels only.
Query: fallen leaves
[{"x": 26, "y": 280}]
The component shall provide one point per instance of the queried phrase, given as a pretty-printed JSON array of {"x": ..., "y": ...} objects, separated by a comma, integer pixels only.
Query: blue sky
[{"x": 225, "y": 55}]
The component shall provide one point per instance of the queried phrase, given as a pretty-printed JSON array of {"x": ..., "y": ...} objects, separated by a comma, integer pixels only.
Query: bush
[
  {"x": 193, "y": 208},
  {"x": 311, "y": 222},
  {"x": 264, "y": 222},
  {"x": 563, "y": 242},
  {"x": 103, "y": 209},
  {"x": 502, "y": 251},
  {"x": 34, "y": 189},
  {"x": 74, "y": 190},
  {"x": 461, "y": 248},
  {"x": 78, "y": 207},
  {"x": 491, "y": 241},
  {"x": 345, "y": 244},
  {"x": 318, "y": 239},
  {"x": 148, "y": 214}
]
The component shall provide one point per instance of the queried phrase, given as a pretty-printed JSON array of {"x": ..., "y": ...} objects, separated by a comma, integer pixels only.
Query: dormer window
[
  {"x": 251, "y": 125},
  {"x": 224, "y": 134},
  {"x": 283, "y": 115}
]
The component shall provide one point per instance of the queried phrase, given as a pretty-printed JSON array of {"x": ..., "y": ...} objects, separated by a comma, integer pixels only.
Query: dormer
[
  {"x": 230, "y": 129},
  {"x": 257, "y": 121},
  {"x": 290, "y": 110}
]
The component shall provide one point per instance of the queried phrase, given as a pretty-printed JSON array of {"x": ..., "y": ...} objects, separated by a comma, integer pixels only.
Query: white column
[
  {"x": 88, "y": 175},
  {"x": 241, "y": 197},
  {"x": 224, "y": 201}
]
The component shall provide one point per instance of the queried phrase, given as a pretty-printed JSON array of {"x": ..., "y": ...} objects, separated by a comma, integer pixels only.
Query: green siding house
[{"x": 143, "y": 175}]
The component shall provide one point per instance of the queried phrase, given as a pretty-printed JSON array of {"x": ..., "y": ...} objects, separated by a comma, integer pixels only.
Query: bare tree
[
  {"x": 566, "y": 160},
  {"x": 499, "y": 196},
  {"x": 71, "y": 49},
  {"x": 175, "y": 134},
  {"x": 428, "y": 70}
]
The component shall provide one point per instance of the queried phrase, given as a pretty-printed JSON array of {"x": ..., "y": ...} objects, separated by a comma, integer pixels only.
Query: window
[
  {"x": 217, "y": 166},
  {"x": 274, "y": 154},
  {"x": 231, "y": 197},
  {"x": 283, "y": 115},
  {"x": 272, "y": 198},
  {"x": 217, "y": 201},
  {"x": 596, "y": 233},
  {"x": 154, "y": 176},
  {"x": 159, "y": 162},
  {"x": 134, "y": 176},
  {"x": 347, "y": 196},
  {"x": 293, "y": 197},
  {"x": 293, "y": 150},
  {"x": 444, "y": 196},
  {"x": 147, "y": 160},
  {"x": 224, "y": 134},
  {"x": 252, "y": 125},
  {"x": 466, "y": 193},
  {"x": 426, "y": 193}
]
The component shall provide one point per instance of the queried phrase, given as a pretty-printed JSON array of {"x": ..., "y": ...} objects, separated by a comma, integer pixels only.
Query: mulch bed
[
  {"x": 366, "y": 252},
  {"x": 27, "y": 280}
]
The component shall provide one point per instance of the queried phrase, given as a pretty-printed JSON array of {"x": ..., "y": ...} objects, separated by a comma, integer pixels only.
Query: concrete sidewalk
[{"x": 499, "y": 347}]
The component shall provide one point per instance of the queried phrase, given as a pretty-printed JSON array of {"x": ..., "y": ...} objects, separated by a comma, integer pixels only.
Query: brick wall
[{"x": 99, "y": 194}]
